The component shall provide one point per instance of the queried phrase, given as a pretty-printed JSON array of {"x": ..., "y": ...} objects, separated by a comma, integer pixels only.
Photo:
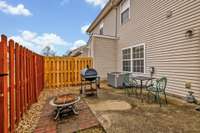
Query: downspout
[
  {"x": 115, "y": 7},
  {"x": 116, "y": 24},
  {"x": 89, "y": 43}
]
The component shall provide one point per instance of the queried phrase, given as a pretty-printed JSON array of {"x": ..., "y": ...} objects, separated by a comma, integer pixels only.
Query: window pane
[
  {"x": 125, "y": 16},
  {"x": 127, "y": 66},
  {"x": 138, "y": 66},
  {"x": 138, "y": 52},
  {"x": 126, "y": 53},
  {"x": 141, "y": 51}
]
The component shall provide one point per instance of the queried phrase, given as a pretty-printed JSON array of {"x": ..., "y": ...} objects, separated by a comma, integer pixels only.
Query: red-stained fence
[{"x": 21, "y": 87}]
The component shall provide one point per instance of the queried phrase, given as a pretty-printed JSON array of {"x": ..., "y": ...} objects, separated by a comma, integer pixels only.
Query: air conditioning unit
[{"x": 115, "y": 79}]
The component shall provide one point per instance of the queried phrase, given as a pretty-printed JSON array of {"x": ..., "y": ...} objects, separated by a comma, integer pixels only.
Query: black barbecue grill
[
  {"x": 90, "y": 81},
  {"x": 89, "y": 74}
]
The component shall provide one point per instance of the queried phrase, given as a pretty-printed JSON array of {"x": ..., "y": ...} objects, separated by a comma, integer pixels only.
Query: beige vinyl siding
[
  {"x": 109, "y": 24},
  {"x": 167, "y": 49},
  {"x": 104, "y": 55},
  {"x": 85, "y": 52}
]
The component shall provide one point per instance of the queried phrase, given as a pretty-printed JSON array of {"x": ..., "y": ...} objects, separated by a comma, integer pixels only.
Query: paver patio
[{"x": 68, "y": 124}]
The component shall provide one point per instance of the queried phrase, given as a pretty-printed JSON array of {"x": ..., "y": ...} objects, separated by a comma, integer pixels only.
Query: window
[
  {"x": 125, "y": 16},
  {"x": 125, "y": 11},
  {"x": 138, "y": 59},
  {"x": 126, "y": 60},
  {"x": 134, "y": 59},
  {"x": 101, "y": 29}
]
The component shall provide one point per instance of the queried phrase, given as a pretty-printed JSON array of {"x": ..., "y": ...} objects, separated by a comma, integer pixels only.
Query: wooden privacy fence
[
  {"x": 64, "y": 71},
  {"x": 22, "y": 85}
]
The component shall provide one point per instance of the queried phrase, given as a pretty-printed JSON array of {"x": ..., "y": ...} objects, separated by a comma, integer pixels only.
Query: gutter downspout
[{"x": 116, "y": 24}]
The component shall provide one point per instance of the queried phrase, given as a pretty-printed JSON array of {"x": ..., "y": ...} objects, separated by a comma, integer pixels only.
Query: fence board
[
  {"x": 3, "y": 86},
  {"x": 64, "y": 71},
  {"x": 26, "y": 81},
  {"x": 17, "y": 84},
  {"x": 12, "y": 85}
]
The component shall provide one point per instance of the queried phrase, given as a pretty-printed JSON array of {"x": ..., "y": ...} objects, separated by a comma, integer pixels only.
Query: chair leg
[
  {"x": 136, "y": 94},
  {"x": 165, "y": 98},
  {"x": 148, "y": 94},
  {"x": 127, "y": 91},
  {"x": 132, "y": 91},
  {"x": 158, "y": 98},
  {"x": 155, "y": 97}
]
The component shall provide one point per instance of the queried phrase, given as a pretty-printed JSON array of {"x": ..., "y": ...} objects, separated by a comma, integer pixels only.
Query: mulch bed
[{"x": 70, "y": 124}]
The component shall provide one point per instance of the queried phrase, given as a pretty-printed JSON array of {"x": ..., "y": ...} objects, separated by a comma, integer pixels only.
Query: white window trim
[
  {"x": 121, "y": 11},
  {"x": 131, "y": 47}
]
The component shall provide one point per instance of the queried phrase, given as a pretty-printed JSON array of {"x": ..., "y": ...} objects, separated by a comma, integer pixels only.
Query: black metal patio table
[{"x": 141, "y": 79}]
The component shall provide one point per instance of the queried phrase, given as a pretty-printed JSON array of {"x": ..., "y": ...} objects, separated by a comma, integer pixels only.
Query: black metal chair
[
  {"x": 158, "y": 87},
  {"x": 130, "y": 85}
]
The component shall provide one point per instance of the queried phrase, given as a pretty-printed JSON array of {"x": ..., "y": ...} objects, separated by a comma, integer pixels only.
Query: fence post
[
  {"x": 35, "y": 77},
  {"x": 21, "y": 69},
  {"x": 3, "y": 86},
  {"x": 25, "y": 79},
  {"x": 12, "y": 86},
  {"x": 28, "y": 78},
  {"x": 17, "y": 83}
]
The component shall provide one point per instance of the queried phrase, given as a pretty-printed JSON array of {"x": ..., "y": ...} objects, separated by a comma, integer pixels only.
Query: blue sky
[{"x": 59, "y": 24}]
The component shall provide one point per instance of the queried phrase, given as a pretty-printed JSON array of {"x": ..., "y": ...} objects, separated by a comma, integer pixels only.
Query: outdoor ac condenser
[{"x": 115, "y": 79}]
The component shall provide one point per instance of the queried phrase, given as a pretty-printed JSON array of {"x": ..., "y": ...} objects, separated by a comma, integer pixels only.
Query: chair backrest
[
  {"x": 127, "y": 81},
  {"x": 161, "y": 84}
]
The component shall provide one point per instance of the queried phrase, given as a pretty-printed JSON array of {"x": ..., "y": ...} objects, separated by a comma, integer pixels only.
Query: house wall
[
  {"x": 109, "y": 24},
  {"x": 85, "y": 52},
  {"x": 104, "y": 56},
  {"x": 167, "y": 49}
]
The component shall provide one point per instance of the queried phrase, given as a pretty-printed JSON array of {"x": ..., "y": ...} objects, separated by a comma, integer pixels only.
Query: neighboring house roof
[
  {"x": 108, "y": 7},
  {"x": 78, "y": 51}
]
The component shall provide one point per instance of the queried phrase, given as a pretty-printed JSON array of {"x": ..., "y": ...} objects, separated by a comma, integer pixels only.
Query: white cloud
[
  {"x": 84, "y": 28},
  {"x": 100, "y": 3},
  {"x": 27, "y": 35},
  {"x": 77, "y": 44},
  {"x": 37, "y": 42},
  {"x": 48, "y": 39},
  {"x": 14, "y": 10}
]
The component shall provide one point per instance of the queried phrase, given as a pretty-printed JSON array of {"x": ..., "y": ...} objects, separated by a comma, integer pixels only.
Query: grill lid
[{"x": 89, "y": 72}]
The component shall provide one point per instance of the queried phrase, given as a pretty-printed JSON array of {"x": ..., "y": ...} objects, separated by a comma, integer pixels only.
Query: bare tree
[
  {"x": 66, "y": 53},
  {"x": 47, "y": 51}
]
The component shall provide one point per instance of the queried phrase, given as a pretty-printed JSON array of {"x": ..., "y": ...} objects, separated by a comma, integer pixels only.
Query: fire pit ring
[{"x": 64, "y": 104}]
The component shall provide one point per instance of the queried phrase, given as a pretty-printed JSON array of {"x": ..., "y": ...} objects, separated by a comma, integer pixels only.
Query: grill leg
[
  {"x": 83, "y": 84},
  {"x": 74, "y": 110},
  {"x": 58, "y": 111}
]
